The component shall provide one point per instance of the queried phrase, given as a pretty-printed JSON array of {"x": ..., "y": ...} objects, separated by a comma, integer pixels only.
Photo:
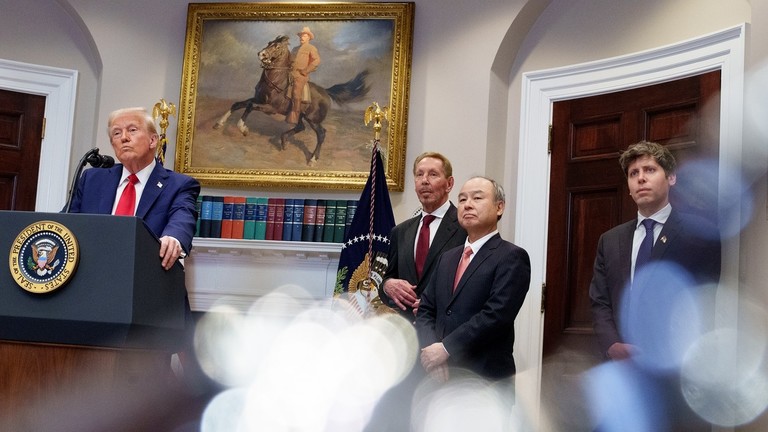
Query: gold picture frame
[{"x": 365, "y": 57}]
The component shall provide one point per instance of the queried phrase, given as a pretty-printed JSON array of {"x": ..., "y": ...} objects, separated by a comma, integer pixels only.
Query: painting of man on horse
[{"x": 279, "y": 91}]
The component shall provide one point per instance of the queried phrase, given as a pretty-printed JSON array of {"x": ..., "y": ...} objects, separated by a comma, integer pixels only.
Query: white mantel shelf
[
  {"x": 307, "y": 250},
  {"x": 238, "y": 272}
]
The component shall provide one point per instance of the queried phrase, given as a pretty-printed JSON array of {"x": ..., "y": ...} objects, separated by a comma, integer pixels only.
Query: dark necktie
[
  {"x": 422, "y": 244},
  {"x": 644, "y": 253},
  {"x": 127, "y": 204},
  {"x": 462, "y": 266}
]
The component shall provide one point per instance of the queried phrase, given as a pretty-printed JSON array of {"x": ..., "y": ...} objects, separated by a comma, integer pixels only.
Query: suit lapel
[
  {"x": 447, "y": 228},
  {"x": 107, "y": 196},
  {"x": 483, "y": 254},
  {"x": 625, "y": 250},
  {"x": 409, "y": 243},
  {"x": 152, "y": 190},
  {"x": 668, "y": 234}
]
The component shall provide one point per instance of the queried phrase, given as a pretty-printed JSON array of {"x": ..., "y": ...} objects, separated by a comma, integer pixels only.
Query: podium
[{"x": 100, "y": 344}]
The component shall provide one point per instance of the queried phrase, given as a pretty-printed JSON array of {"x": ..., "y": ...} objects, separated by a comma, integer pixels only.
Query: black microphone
[
  {"x": 100, "y": 161},
  {"x": 96, "y": 160}
]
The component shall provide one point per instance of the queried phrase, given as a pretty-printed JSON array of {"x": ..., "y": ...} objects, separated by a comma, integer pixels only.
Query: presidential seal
[{"x": 43, "y": 257}]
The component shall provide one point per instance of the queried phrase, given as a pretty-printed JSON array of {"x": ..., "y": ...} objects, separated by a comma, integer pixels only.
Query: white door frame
[
  {"x": 59, "y": 86},
  {"x": 722, "y": 50}
]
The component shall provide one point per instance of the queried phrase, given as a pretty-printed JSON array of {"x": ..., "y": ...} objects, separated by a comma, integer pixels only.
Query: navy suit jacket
[
  {"x": 167, "y": 205},
  {"x": 686, "y": 241},
  {"x": 400, "y": 259},
  {"x": 476, "y": 322}
]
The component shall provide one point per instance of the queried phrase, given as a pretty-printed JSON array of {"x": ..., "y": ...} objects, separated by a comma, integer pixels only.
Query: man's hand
[
  {"x": 401, "y": 292},
  {"x": 440, "y": 373},
  {"x": 621, "y": 351},
  {"x": 434, "y": 358},
  {"x": 170, "y": 250}
]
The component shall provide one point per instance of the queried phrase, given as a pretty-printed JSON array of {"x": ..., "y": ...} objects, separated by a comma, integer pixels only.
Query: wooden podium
[{"x": 94, "y": 354}]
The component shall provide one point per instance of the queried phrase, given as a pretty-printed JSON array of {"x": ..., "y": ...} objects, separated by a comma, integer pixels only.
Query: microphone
[
  {"x": 99, "y": 161},
  {"x": 96, "y": 160}
]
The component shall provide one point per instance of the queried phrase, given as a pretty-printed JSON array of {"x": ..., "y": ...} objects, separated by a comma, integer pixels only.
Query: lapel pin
[
  {"x": 663, "y": 239},
  {"x": 159, "y": 184}
]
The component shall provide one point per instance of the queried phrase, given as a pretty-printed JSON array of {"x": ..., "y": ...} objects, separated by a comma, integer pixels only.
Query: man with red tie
[
  {"x": 141, "y": 187},
  {"x": 467, "y": 313},
  {"x": 417, "y": 242}
]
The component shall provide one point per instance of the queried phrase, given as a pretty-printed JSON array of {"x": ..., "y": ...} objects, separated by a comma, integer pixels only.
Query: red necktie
[
  {"x": 462, "y": 266},
  {"x": 422, "y": 244},
  {"x": 126, "y": 205}
]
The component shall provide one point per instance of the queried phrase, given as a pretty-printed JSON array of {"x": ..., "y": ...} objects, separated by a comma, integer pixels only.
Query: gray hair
[{"x": 142, "y": 112}]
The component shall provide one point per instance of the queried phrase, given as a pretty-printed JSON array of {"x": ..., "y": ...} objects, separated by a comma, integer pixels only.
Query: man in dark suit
[
  {"x": 403, "y": 281},
  {"x": 468, "y": 309},
  {"x": 164, "y": 199},
  {"x": 653, "y": 284}
]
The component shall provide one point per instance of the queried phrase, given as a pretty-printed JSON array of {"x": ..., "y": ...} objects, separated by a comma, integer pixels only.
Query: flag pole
[{"x": 376, "y": 114}]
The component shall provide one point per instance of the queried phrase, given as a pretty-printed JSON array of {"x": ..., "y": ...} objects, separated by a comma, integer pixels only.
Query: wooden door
[
  {"x": 21, "y": 133},
  {"x": 589, "y": 195}
]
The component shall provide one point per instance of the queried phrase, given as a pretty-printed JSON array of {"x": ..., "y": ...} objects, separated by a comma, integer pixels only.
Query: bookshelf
[{"x": 236, "y": 272}]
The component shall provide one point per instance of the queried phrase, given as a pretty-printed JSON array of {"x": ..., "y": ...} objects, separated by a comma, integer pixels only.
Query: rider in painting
[{"x": 305, "y": 60}]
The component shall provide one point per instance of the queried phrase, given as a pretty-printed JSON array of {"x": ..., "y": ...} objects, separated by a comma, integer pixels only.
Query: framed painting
[{"x": 238, "y": 124}]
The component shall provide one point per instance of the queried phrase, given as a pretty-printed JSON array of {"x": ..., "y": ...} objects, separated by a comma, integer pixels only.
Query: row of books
[{"x": 292, "y": 219}]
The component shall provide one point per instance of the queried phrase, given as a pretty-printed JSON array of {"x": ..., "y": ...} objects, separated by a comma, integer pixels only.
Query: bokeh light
[
  {"x": 301, "y": 365},
  {"x": 724, "y": 375}
]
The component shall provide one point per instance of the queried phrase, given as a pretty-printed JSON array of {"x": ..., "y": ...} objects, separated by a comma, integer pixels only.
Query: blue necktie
[{"x": 644, "y": 253}]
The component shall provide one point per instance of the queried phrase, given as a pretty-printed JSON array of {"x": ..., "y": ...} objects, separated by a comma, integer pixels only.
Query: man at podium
[{"x": 139, "y": 186}]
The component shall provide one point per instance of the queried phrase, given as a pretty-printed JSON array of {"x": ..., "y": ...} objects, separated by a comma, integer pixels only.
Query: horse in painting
[{"x": 273, "y": 96}]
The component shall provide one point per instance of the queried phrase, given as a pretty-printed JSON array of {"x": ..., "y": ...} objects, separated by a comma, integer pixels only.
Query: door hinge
[
  {"x": 42, "y": 135},
  {"x": 543, "y": 297},
  {"x": 549, "y": 140}
]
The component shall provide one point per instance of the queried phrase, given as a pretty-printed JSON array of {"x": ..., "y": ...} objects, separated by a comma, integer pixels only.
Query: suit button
[{"x": 448, "y": 312}]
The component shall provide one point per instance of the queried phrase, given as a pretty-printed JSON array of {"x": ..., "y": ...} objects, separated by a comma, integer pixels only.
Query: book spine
[
  {"x": 341, "y": 221},
  {"x": 249, "y": 221},
  {"x": 217, "y": 213},
  {"x": 238, "y": 218},
  {"x": 351, "y": 210},
  {"x": 206, "y": 214},
  {"x": 298, "y": 219},
  {"x": 308, "y": 224},
  {"x": 271, "y": 218},
  {"x": 319, "y": 221},
  {"x": 280, "y": 219},
  {"x": 329, "y": 225},
  {"x": 226, "y": 216},
  {"x": 199, "y": 210},
  {"x": 261, "y": 219}
]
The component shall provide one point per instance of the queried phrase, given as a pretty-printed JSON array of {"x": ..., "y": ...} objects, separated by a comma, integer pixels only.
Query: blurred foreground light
[
  {"x": 222, "y": 346},
  {"x": 464, "y": 404},
  {"x": 662, "y": 315},
  {"x": 617, "y": 400},
  {"x": 302, "y": 366},
  {"x": 705, "y": 186},
  {"x": 225, "y": 413},
  {"x": 724, "y": 377}
]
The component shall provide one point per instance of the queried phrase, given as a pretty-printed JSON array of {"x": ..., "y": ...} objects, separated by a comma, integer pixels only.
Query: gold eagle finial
[
  {"x": 377, "y": 114},
  {"x": 162, "y": 110}
]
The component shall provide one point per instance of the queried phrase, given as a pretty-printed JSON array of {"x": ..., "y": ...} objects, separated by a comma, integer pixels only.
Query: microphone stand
[{"x": 76, "y": 177}]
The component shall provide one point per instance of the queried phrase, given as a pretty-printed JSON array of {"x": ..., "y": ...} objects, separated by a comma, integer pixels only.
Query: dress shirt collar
[
  {"x": 479, "y": 242},
  {"x": 440, "y": 212},
  {"x": 660, "y": 216}
]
